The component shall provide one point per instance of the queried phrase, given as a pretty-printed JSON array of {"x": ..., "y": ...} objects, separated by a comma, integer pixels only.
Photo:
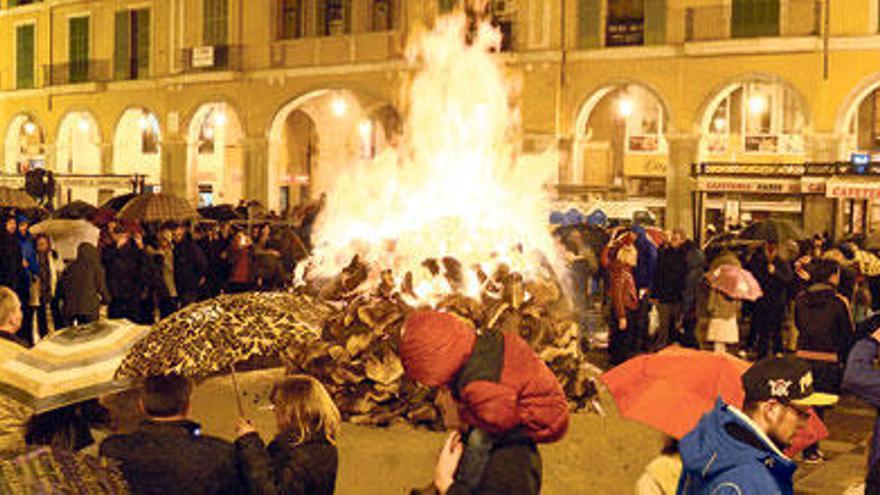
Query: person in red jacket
[{"x": 507, "y": 399}]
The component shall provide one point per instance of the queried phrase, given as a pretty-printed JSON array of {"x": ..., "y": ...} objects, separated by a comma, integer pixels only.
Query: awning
[{"x": 853, "y": 188}]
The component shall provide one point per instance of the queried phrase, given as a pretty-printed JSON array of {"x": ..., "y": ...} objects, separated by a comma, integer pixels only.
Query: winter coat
[
  {"x": 56, "y": 267},
  {"x": 647, "y": 261},
  {"x": 726, "y": 454},
  {"x": 670, "y": 277},
  {"x": 721, "y": 307},
  {"x": 514, "y": 467},
  {"x": 190, "y": 266},
  {"x": 13, "y": 415},
  {"x": 499, "y": 382},
  {"x": 12, "y": 271},
  {"x": 83, "y": 285},
  {"x": 862, "y": 379},
  {"x": 776, "y": 286},
  {"x": 695, "y": 261},
  {"x": 124, "y": 268},
  {"x": 623, "y": 289},
  {"x": 284, "y": 468},
  {"x": 29, "y": 253},
  {"x": 660, "y": 476},
  {"x": 824, "y": 322},
  {"x": 241, "y": 264},
  {"x": 165, "y": 458}
]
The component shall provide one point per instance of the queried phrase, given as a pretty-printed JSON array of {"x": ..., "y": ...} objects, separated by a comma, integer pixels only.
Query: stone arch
[
  {"x": 24, "y": 143},
  {"x": 215, "y": 168},
  {"x": 137, "y": 144},
  {"x": 79, "y": 150},
  {"x": 847, "y": 114}
]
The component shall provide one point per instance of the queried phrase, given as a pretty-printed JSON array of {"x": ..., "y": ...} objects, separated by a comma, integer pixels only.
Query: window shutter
[
  {"x": 589, "y": 17},
  {"x": 24, "y": 57},
  {"x": 78, "y": 45},
  {"x": 655, "y": 22},
  {"x": 215, "y": 22},
  {"x": 143, "y": 42},
  {"x": 121, "y": 51}
]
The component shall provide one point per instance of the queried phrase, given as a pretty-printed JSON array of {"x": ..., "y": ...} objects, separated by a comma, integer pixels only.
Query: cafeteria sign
[
  {"x": 750, "y": 186},
  {"x": 853, "y": 188}
]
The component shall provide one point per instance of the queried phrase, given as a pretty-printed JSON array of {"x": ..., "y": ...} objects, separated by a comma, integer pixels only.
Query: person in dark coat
[
  {"x": 825, "y": 332},
  {"x": 696, "y": 268},
  {"x": 82, "y": 287},
  {"x": 862, "y": 379},
  {"x": 124, "y": 264},
  {"x": 670, "y": 279},
  {"x": 302, "y": 459},
  {"x": 190, "y": 267},
  {"x": 768, "y": 313},
  {"x": 168, "y": 453},
  {"x": 11, "y": 260},
  {"x": 31, "y": 272}
]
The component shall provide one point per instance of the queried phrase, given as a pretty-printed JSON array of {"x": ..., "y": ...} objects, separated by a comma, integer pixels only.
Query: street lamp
[
  {"x": 30, "y": 128},
  {"x": 719, "y": 124},
  {"x": 757, "y": 104},
  {"x": 339, "y": 106},
  {"x": 625, "y": 107}
]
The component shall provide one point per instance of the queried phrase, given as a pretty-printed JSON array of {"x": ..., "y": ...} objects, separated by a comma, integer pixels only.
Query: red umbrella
[
  {"x": 735, "y": 282},
  {"x": 672, "y": 389}
]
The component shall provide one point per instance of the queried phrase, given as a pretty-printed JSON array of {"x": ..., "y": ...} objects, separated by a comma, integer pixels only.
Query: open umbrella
[
  {"x": 16, "y": 198},
  {"x": 772, "y": 230},
  {"x": 220, "y": 213},
  {"x": 116, "y": 203},
  {"x": 75, "y": 364},
  {"x": 735, "y": 282},
  {"x": 50, "y": 470},
  {"x": 67, "y": 235},
  {"x": 672, "y": 389},
  {"x": 158, "y": 207},
  {"x": 214, "y": 335},
  {"x": 75, "y": 210},
  {"x": 869, "y": 263}
]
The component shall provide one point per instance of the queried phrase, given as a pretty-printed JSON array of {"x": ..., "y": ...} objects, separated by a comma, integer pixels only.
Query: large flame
[{"x": 457, "y": 186}]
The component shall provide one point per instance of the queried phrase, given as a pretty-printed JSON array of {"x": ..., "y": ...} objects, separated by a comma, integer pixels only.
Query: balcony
[
  {"x": 337, "y": 50},
  {"x": 20, "y": 3},
  {"x": 796, "y": 18},
  {"x": 85, "y": 71},
  {"x": 212, "y": 58}
]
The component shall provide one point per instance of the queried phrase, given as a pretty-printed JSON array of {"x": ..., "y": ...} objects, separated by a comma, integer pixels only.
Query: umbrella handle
[{"x": 237, "y": 390}]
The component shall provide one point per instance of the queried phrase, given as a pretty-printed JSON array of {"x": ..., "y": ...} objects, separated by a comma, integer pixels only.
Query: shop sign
[
  {"x": 750, "y": 186},
  {"x": 854, "y": 190}
]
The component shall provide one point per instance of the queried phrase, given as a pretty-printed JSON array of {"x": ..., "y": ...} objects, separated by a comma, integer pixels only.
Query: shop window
[
  {"x": 291, "y": 15},
  {"x": 772, "y": 120},
  {"x": 643, "y": 120},
  {"x": 334, "y": 17},
  {"x": 625, "y": 24},
  {"x": 864, "y": 128}
]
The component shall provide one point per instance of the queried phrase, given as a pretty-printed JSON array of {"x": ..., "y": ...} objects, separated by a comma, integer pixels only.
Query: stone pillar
[
  {"x": 819, "y": 213},
  {"x": 175, "y": 173},
  {"x": 256, "y": 170},
  {"x": 106, "y": 158},
  {"x": 683, "y": 151}
]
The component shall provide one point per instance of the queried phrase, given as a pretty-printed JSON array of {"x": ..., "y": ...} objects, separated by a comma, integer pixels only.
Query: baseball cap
[{"x": 786, "y": 380}]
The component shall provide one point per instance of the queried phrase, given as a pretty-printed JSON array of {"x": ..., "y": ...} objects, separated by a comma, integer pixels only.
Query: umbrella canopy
[
  {"x": 221, "y": 213},
  {"x": 735, "y": 282},
  {"x": 76, "y": 210},
  {"x": 158, "y": 208},
  {"x": 116, "y": 203},
  {"x": 772, "y": 230},
  {"x": 16, "y": 198},
  {"x": 49, "y": 470},
  {"x": 213, "y": 335},
  {"x": 598, "y": 217},
  {"x": 75, "y": 364},
  {"x": 67, "y": 235},
  {"x": 869, "y": 263},
  {"x": 557, "y": 218}
]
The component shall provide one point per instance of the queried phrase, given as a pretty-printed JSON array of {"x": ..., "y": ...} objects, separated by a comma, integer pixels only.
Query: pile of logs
[{"x": 357, "y": 358}]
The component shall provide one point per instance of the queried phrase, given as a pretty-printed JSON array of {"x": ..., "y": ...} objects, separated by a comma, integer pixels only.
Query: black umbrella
[
  {"x": 116, "y": 203},
  {"x": 771, "y": 230},
  {"x": 76, "y": 210},
  {"x": 220, "y": 213}
]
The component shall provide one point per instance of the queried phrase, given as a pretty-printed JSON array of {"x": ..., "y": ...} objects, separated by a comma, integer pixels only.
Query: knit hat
[{"x": 434, "y": 346}]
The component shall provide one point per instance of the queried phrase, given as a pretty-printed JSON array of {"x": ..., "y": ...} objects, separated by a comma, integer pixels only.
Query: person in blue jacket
[
  {"x": 739, "y": 452},
  {"x": 863, "y": 381}
]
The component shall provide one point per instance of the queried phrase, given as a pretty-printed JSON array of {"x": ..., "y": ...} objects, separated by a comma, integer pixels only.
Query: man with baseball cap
[{"x": 733, "y": 451}]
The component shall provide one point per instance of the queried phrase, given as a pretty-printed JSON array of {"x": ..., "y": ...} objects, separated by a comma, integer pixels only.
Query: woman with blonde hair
[{"x": 302, "y": 459}]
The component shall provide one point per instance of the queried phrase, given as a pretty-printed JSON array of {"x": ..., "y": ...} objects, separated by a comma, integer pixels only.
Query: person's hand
[
  {"x": 447, "y": 462},
  {"x": 771, "y": 269},
  {"x": 876, "y": 335},
  {"x": 25, "y": 264},
  {"x": 244, "y": 427},
  {"x": 621, "y": 324}
]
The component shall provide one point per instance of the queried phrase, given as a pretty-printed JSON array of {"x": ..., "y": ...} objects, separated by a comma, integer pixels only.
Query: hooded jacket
[
  {"x": 647, "y": 262},
  {"x": 824, "y": 321},
  {"x": 863, "y": 380},
  {"x": 715, "y": 462},
  {"x": 696, "y": 262},
  {"x": 82, "y": 286}
]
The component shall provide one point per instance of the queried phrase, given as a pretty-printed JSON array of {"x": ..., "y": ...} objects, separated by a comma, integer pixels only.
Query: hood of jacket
[
  {"x": 819, "y": 295},
  {"x": 87, "y": 253},
  {"x": 709, "y": 452}
]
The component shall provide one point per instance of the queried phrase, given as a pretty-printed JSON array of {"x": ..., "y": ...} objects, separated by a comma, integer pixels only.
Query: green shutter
[
  {"x": 655, "y": 22},
  {"x": 24, "y": 57},
  {"x": 142, "y": 50},
  {"x": 589, "y": 17},
  {"x": 215, "y": 22},
  {"x": 753, "y": 18},
  {"x": 446, "y": 6},
  {"x": 122, "y": 47},
  {"x": 78, "y": 46},
  {"x": 321, "y": 19},
  {"x": 346, "y": 11}
]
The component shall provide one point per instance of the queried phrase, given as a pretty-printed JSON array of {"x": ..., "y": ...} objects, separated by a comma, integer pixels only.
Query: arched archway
[
  {"x": 24, "y": 144},
  {"x": 137, "y": 145},
  {"x": 755, "y": 119},
  {"x": 316, "y": 134},
  {"x": 78, "y": 151},
  {"x": 215, "y": 156},
  {"x": 620, "y": 134}
]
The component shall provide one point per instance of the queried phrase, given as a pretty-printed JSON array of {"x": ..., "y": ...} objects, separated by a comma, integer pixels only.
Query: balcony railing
[
  {"x": 716, "y": 22},
  {"x": 213, "y": 58},
  {"x": 84, "y": 71}
]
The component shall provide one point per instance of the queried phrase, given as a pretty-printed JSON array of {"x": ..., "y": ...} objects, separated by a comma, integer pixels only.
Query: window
[
  {"x": 216, "y": 22},
  {"x": 643, "y": 120},
  {"x": 131, "y": 57},
  {"x": 503, "y": 13},
  {"x": 382, "y": 15},
  {"x": 334, "y": 17},
  {"x": 24, "y": 56},
  {"x": 291, "y": 15},
  {"x": 625, "y": 25},
  {"x": 78, "y": 49},
  {"x": 446, "y": 6},
  {"x": 754, "y": 18},
  {"x": 16, "y": 3},
  {"x": 588, "y": 30}
]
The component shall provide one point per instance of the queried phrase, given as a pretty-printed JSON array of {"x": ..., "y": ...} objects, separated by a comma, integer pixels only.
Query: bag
[{"x": 653, "y": 321}]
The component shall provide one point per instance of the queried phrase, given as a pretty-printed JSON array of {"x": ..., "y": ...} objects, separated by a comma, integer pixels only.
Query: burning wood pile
[{"x": 357, "y": 359}]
